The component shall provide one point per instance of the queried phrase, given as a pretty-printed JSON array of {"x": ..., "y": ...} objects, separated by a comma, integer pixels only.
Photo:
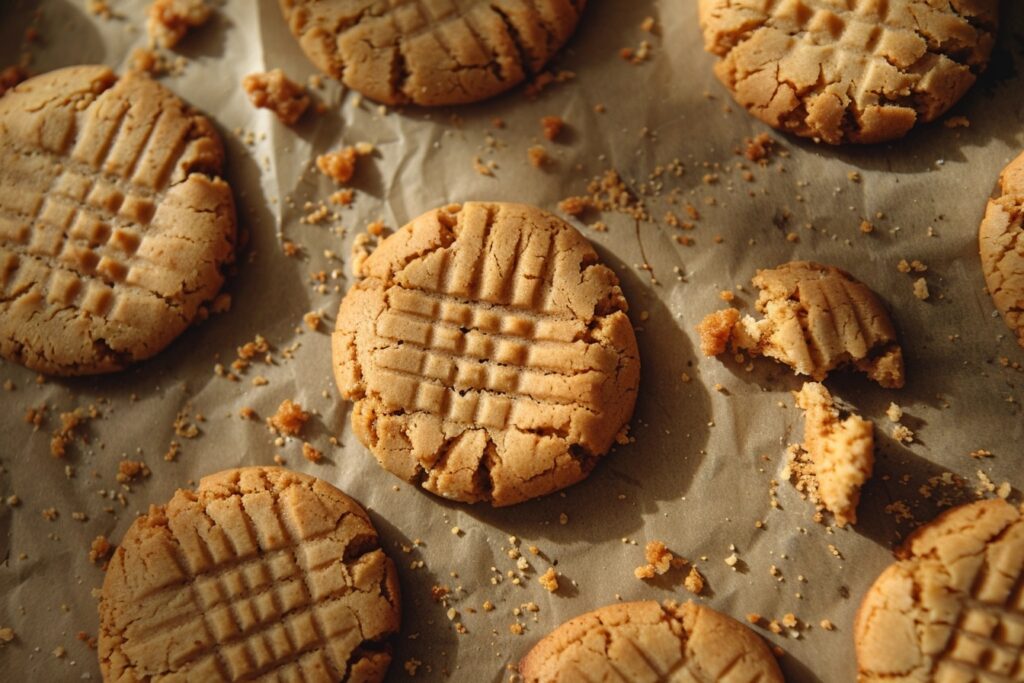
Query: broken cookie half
[
  {"x": 837, "y": 457},
  {"x": 816, "y": 318}
]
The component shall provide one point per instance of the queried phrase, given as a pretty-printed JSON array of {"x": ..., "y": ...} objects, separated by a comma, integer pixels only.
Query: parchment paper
[{"x": 698, "y": 474}]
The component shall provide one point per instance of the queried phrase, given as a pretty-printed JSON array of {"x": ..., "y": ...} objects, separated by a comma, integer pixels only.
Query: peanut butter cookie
[
  {"x": 816, "y": 319},
  {"x": 432, "y": 53},
  {"x": 951, "y": 609},
  {"x": 863, "y": 71},
  {"x": 114, "y": 225},
  {"x": 647, "y": 643},
  {"x": 260, "y": 573},
  {"x": 488, "y": 353},
  {"x": 1001, "y": 241}
]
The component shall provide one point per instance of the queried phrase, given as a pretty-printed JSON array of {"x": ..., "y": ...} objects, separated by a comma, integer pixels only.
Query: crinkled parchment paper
[{"x": 698, "y": 472}]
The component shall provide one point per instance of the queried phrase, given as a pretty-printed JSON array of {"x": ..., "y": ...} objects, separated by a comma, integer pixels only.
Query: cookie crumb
[
  {"x": 827, "y": 625},
  {"x": 289, "y": 419},
  {"x": 275, "y": 91},
  {"x": 694, "y": 582},
  {"x": 549, "y": 580},
  {"x": 168, "y": 21},
  {"x": 759, "y": 147},
  {"x": 130, "y": 470},
  {"x": 538, "y": 156},
  {"x": 716, "y": 331},
  {"x": 340, "y": 166},
  {"x": 921, "y": 289},
  {"x": 552, "y": 126},
  {"x": 311, "y": 453},
  {"x": 100, "y": 549},
  {"x": 7, "y": 634}
]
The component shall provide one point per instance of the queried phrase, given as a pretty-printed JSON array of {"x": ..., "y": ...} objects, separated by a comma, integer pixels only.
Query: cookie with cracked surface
[
  {"x": 115, "y": 226},
  {"x": 648, "y": 642},
  {"x": 260, "y": 573},
  {"x": 432, "y": 53},
  {"x": 951, "y": 608},
  {"x": 861, "y": 72},
  {"x": 1001, "y": 244},
  {"x": 488, "y": 353},
  {"x": 816, "y": 319},
  {"x": 841, "y": 449}
]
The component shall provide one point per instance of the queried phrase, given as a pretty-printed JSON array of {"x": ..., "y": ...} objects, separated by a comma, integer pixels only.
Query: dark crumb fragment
[
  {"x": 100, "y": 549},
  {"x": 552, "y": 126},
  {"x": 759, "y": 147},
  {"x": 10, "y": 77}
]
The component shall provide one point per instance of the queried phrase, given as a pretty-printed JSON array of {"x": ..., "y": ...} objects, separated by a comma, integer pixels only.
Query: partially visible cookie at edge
[
  {"x": 646, "y": 641},
  {"x": 488, "y": 353},
  {"x": 1001, "y": 244},
  {"x": 861, "y": 72},
  {"x": 259, "y": 573},
  {"x": 432, "y": 54},
  {"x": 950, "y": 609},
  {"x": 116, "y": 227},
  {"x": 817, "y": 318}
]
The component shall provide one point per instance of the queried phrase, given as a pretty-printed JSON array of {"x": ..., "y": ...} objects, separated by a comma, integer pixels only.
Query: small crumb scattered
[
  {"x": 289, "y": 419},
  {"x": 275, "y": 91}
]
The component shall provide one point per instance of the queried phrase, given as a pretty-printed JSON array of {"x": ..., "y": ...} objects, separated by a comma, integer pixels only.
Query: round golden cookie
[
  {"x": 488, "y": 353},
  {"x": 114, "y": 225},
  {"x": 1001, "y": 242},
  {"x": 952, "y": 607},
  {"x": 432, "y": 53},
  {"x": 644, "y": 642},
  {"x": 861, "y": 72},
  {"x": 260, "y": 573}
]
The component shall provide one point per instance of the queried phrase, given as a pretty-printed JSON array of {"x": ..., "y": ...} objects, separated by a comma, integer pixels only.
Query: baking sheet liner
[{"x": 699, "y": 469}]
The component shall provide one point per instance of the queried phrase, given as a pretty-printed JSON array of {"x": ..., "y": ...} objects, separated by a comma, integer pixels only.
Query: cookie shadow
[
  {"x": 61, "y": 18},
  {"x": 426, "y": 634},
  {"x": 667, "y": 437}
]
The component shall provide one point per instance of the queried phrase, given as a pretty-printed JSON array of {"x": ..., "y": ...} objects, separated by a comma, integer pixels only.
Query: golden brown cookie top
[
  {"x": 488, "y": 353},
  {"x": 1001, "y": 245},
  {"x": 859, "y": 72},
  {"x": 114, "y": 227},
  {"x": 951, "y": 608},
  {"x": 259, "y": 572},
  {"x": 432, "y": 53},
  {"x": 645, "y": 641}
]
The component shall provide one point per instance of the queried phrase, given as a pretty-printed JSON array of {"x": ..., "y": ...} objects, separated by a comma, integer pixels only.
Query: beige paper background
[{"x": 694, "y": 477}]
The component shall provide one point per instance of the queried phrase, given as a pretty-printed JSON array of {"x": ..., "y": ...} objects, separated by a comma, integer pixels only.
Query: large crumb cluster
[
  {"x": 289, "y": 419},
  {"x": 340, "y": 166},
  {"x": 276, "y": 92},
  {"x": 169, "y": 20}
]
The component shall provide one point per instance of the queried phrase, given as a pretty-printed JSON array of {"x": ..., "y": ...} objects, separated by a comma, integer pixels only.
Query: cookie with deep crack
[
  {"x": 488, "y": 353},
  {"x": 816, "y": 319},
  {"x": 260, "y": 573},
  {"x": 648, "y": 642},
  {"x": 1001, "y": 243},
  {"x": 861, "y": 72},
  {"x": 841, "y": 452},
  {"x": 115, "y": 226},
  {"x": 951, "y": 608},
  {"x": 432, "y": 53}
]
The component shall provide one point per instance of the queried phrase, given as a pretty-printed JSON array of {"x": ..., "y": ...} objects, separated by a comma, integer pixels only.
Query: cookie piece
[
  {"x": 645, "y": 641},
  {"x": 278, "y": 93},
  {"x": 1001, "y": 243},
  {"x": 816, "y": 319},
  {"x": 260, "y": 573},
  {"x": 488, "y": 353},
  {"x": 114, "y": 225},
  {"x": 860, "y": 72},
  {"x": 432, "y": 53},
  {"x": 841, "y": 450},
  {"x": 952, "y": 608}
]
